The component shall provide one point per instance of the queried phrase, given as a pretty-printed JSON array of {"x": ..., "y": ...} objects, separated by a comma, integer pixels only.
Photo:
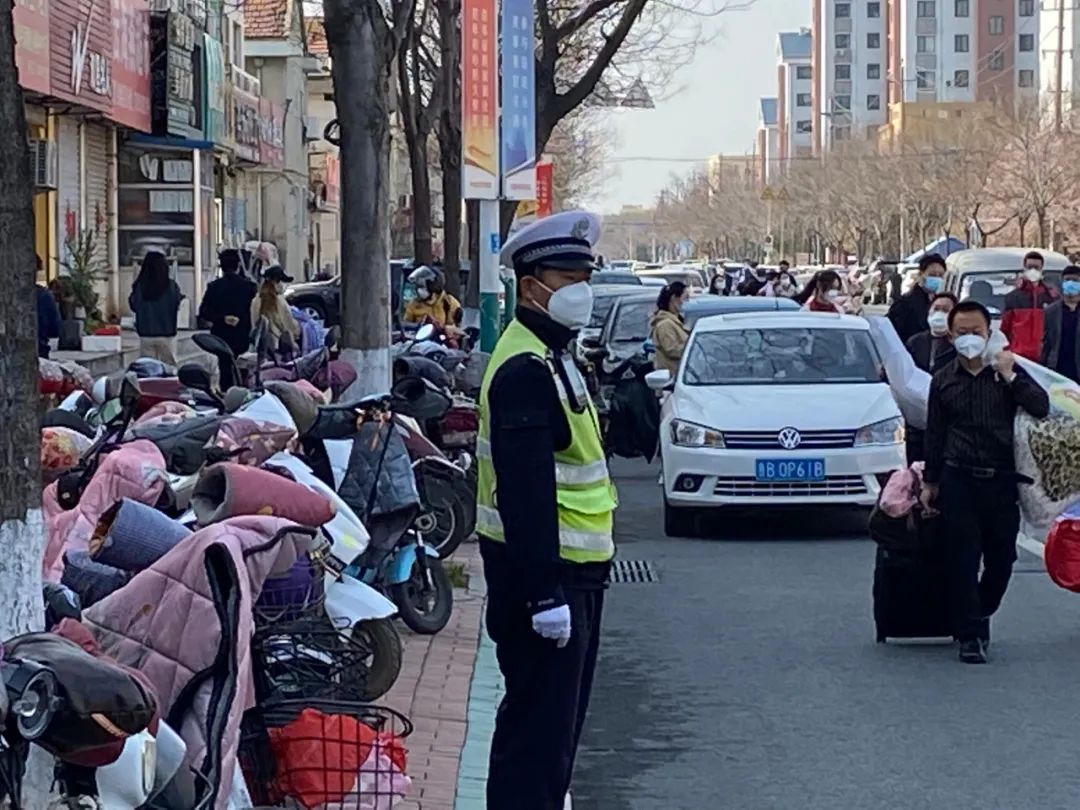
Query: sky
[{"x": 716, "y": 111}]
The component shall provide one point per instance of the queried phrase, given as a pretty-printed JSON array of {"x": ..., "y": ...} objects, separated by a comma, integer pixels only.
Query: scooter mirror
[
  {"x": 192, "y": 375},
  {"x": 425, "y": 332}
]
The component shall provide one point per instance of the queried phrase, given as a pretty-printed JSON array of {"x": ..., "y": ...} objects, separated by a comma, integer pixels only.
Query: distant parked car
[
  {"x": 321, "y": 300},
  {"x": 615, "y": 277}
]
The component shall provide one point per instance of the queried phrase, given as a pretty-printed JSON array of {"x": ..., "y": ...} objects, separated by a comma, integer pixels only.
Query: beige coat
[
  {"x": 279, "y": 317},
  {"x": 670, "y": 334}
]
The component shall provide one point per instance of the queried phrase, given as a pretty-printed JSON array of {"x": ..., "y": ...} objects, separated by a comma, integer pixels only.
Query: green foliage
[{"x": 84, "y": 269}]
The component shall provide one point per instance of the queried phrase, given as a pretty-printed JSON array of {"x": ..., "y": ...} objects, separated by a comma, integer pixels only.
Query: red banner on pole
[{"x": 545, "y": 179}]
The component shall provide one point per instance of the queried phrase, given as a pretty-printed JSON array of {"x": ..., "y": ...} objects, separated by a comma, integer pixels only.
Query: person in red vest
[{"x": 1022, "y": 320}]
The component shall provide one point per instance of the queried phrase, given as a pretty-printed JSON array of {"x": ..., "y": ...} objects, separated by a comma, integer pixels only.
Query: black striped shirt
[{"x": 970, "y": 418}]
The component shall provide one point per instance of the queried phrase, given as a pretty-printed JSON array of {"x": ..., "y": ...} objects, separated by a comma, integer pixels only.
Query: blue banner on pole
[{"x": 518, "y": 99}]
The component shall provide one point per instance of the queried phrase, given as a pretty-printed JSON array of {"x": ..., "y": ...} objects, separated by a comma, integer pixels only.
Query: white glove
[{"x": 554, "y": 623}]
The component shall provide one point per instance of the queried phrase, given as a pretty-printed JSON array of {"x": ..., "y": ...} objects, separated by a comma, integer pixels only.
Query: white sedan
[{"x": 787, "y": 408}]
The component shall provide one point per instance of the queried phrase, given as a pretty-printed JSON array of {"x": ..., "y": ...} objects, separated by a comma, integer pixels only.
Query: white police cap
[{"x": 561, "y": 241}]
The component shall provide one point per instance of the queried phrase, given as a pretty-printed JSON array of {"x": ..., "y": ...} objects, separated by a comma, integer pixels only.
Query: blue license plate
[{"x": 790, "y": 469}]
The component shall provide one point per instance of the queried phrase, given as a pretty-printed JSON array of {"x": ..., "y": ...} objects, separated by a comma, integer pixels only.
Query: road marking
[{"x": 1033, "y": 546}]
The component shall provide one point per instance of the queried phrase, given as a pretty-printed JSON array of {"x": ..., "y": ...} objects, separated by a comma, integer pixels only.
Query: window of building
[
  {"x": 1027, "y": 8},
  {"x": 841, "y": 133},
  {"x": 996, "y": 60},
  {"x": 960, "y": 78},
  {"x": 961, "y": 43},
  {"x": 802, "y": 72},
  {"x": 873, "y": 40},
  {"x": 803, "y": 127},
  {"x": 873, "y": 102},
  {"x": 843, "y": 72},
  {"x": 924, "y": 79},
  {"x": 873, "y": 10},
  {"x": 842, "y": 104},
  {"x": 1026, "y": 78},
  {"x": 924, "y": 44},
  {"x": 962, "y": 8},
  {"x": 997, "y": 24},
  {"x": 843, "y": 10},
  {"x": 802, "y": 100},
  {"x": 843, "y": 41},
  {"x": 1027, "y": 42},
  {"x": 873, "y": 71},
  {"x": 926, "y": 8}
]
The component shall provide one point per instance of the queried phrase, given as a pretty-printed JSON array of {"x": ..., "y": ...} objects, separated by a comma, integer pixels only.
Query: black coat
[
  {"x": 908, "y": 313},
  {"x": 918, "y": 346}
]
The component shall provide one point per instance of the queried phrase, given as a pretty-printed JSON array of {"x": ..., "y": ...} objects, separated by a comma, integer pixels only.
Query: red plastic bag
[
  {"x": 319, "y": 756},
  {"x": 1062, "y": 553}
]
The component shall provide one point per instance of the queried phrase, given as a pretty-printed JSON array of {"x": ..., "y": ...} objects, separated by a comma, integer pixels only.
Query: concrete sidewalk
[{"x": 100, "y": 364}]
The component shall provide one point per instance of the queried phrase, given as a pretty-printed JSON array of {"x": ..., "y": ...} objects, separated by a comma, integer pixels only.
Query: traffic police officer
[{"x": 545, "y": 506}]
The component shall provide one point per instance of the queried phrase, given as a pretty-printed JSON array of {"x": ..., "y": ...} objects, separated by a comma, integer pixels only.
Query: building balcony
[{"x": 243, "y": 81}]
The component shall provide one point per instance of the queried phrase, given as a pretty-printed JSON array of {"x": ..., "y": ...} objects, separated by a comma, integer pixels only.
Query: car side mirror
[{"x": 659, "y": 380}]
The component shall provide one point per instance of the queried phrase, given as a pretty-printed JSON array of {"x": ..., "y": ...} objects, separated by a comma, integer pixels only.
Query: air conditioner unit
[
  {"x": 44, "y": 167},
  {"x": 312, "y": 130}
]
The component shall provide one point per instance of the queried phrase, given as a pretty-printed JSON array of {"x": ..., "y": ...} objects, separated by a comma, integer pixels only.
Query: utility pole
[{"x": 1058, "y": 100}]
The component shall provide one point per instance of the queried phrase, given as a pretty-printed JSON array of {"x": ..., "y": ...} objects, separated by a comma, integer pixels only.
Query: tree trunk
[
  {"x": 362, "y": 54},
  {"x": 449, "y": 135},
  {"x": 472, "y": 216},
  {"x": 421, "y": 204},
  {"x": 22, "y": 530}
]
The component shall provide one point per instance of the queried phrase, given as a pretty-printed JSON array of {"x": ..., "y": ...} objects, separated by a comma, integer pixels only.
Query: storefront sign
[
  {"x": 213, "y": 89},
  {"x": 271, "y": 134},
  {"x": 131, "y": 65},
  {"x": 545, "y": 181},
  {"x": 172, "y": 77},
  {"x": 518, "y": 101},
  {"x": 245, "y": 123},
  {"x": 479, "y": 98},
  {"x": 31, "y": 20},
  {"x": 81, "y": 47}
]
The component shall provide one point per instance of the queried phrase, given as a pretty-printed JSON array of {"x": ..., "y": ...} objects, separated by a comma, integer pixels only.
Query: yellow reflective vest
[{"x": 586, "y": 496}]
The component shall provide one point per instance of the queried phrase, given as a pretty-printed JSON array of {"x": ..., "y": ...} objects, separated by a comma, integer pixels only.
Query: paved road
[{"x": 748, "y": 679}]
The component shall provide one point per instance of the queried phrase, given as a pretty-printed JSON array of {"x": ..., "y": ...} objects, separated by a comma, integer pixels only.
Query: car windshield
[
  {"x": 990, "y": 288},
  {"x": 782, "y": 357},
  {"x": 602, "y": 305},
  {"x": 632, "y": 321}
]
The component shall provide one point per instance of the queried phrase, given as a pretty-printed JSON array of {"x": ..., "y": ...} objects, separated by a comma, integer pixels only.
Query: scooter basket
[{"x": 339, "y": 754}]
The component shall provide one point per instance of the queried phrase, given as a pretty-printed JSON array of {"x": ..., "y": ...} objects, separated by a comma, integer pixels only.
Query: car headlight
[
  {"x": 687, "y": 434},
  {"x": 887, "y": 431}
]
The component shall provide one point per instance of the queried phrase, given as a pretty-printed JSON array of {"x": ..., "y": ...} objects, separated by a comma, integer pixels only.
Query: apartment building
[
  {"x": 1063, "y": 16},
  {"x": 767, "y": 147},
  {"x": 794, "y": 96},
  {"x": 950, "y": 51},
  {"x": 850, "y": 69},
  {"x": 727, "y": 173}
]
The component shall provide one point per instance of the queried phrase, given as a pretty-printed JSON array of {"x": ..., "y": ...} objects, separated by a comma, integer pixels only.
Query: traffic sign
[
  {"x": 766, "y": 194},
  {"x": 782, "y": 195}
]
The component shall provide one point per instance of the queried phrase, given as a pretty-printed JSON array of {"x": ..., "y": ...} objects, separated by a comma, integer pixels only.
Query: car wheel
[
  {"x": 314, "y": 311},
  {"x": 679, "y": 521}
]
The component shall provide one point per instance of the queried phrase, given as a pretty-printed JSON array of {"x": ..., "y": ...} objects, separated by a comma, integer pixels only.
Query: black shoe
[{"x": 973, "y": 652}]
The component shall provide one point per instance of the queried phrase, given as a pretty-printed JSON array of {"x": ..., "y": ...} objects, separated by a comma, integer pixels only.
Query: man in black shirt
[
  {"x": 908, "y": 313},
  {"x": 226, "y": 305},
  {"x": 970, "y": 473},
  {"x": 1060, "y": 348}
]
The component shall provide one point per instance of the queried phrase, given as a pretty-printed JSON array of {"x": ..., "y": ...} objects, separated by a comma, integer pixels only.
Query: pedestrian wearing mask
[
  {"x": 668, "y": 330},
  {"x": 931, "y": 350},
  {"x": 1060, "y": 347},
  {"x": 432, "y": 302},
  {"x": 1023, "y": 313},
  {"x": 718, "y": 285},
  {"x": 908, "y": 312},
  {"x": 824, "y": 293},
  {"x": 283, "y": 330},
  {"x": 545, "y": 503},
  {"x": 970, "y": 474}
]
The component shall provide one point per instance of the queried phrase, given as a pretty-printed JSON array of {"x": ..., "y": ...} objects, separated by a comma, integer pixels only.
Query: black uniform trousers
[
  {"x": 981, "y": 519},
  {"x": 539, "y": 722}
]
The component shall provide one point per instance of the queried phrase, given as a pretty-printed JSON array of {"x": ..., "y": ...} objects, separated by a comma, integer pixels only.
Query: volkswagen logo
[{"x": 789, "y": 438}]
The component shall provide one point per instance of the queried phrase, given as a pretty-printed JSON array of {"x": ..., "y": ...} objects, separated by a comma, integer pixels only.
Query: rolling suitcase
[{"x": 911, "y": 593}]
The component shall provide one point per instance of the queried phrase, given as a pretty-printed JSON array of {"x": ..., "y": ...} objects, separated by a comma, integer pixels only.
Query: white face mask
[
  {"x": 832, "y": 295},
  {"x": 1033, "y": 275},
  {"x": 970, "y": 346},
  {"x": 571, "y": 305},
  {"x": 422, "y": 293},
  {"x": 938, "y": 322}
]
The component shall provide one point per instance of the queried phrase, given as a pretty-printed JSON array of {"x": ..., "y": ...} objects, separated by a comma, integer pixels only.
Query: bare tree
[
  {"x": 365, "y": 37},
  {"x": 580, "y": 146}
]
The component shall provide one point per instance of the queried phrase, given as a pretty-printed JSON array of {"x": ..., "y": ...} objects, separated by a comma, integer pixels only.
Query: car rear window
[
  {"x": 632, "y": 321},
  {"x": 990, "y": 289}
]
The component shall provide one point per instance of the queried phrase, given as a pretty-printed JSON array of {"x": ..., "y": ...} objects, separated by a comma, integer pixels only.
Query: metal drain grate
[{"x": 633, "y": 571}]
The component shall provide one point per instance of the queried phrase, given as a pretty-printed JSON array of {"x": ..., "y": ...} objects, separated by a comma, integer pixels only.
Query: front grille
[
  {"x": 769, "y": 439},
  {"x": 749, "y": 487}
]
